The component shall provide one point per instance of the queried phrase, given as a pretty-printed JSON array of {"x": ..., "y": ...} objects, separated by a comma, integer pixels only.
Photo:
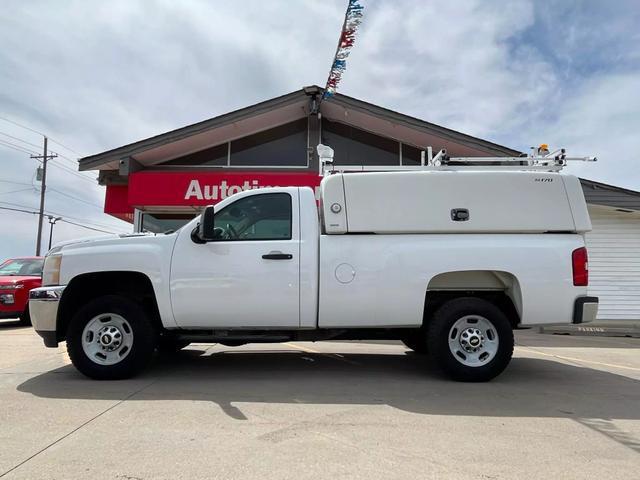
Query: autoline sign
[
  {"x": 217, "y": 192},
  {"x": 205, "y": 188}
]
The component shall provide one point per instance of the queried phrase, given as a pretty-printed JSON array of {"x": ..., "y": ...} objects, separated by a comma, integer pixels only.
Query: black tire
[
  {"x": 438, "y": 339},
  {"x": 417, "y": 341},
  {"x": 25, "y": 318},
  {"x": 142, "y": 348},
  {"x": 169, "y": 345}
]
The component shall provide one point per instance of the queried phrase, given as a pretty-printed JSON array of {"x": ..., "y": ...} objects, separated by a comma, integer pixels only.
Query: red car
[{"x": 17, "y": 277}]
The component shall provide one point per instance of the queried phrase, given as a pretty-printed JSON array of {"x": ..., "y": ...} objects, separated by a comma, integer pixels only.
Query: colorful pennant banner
[{"x": 352, "y": 19}]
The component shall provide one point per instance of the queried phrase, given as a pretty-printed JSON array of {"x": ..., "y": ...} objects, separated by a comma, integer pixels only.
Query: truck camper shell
[{"x": 453, "y": 201}]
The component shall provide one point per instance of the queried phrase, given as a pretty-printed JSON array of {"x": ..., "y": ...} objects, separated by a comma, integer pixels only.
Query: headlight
[
  {"x": 7, "y": 299},
  {"x": 51, "y": 270}
]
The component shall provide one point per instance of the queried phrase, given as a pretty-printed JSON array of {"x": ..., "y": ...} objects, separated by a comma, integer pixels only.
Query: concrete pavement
[{"x": 567, "y": 407}]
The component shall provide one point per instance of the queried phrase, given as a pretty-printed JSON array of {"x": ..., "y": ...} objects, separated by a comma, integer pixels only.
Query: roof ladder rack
[{"x": 539, "y": 160}]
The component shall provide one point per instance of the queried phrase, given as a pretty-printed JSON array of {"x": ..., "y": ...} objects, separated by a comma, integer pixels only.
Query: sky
[{"x": 94, "y": 75}]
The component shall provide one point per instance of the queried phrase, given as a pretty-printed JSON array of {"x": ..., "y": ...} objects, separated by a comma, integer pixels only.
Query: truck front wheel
[
  {"x": 470, "y": 339},
  {"x": 111, "y": 337}
]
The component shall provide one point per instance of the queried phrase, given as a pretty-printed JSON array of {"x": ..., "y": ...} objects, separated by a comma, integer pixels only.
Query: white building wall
[{"x": 614, "y": 262}]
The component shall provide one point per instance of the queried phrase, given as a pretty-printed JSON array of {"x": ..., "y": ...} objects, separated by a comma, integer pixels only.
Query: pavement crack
[{"x": 84, "y": 424}]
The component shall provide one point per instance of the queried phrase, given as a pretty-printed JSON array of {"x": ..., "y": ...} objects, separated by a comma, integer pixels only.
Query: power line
[
  {"x": 61, "y": 219},
  {"x": 33, "y": 187},
  {"x": 83, "y": 220},
  {"x": 51, "y": 212},
  {"x": 19, "y": 139},
  {"x": 39, "y": 133},
  {"x": 15, "y": 183},
  {"x": 74, "y": 163},
  {"x": 16, "y": 191},
  {"x": 75, "y": 198},
  {"x": 70, "y": 160},
  {"x": 84, "y": 226},
  {"x": 24, "y": 149},
  {"x": 18, "y": 210},
  {"x": 50, "y": 188},
  {"x": 46, "y": 156},
  {"x": 22, "y": 126},
  {"x": 19, "y": 148},
  {"x": 68, "y": 170},
  {"x": 68, "y": 148}
]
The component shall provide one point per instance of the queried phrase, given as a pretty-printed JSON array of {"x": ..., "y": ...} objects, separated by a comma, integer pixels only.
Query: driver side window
[{"x": 264, "y": 216}]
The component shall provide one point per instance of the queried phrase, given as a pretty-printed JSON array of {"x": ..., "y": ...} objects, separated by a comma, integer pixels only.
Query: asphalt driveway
[{"x": 567, "y": 407}]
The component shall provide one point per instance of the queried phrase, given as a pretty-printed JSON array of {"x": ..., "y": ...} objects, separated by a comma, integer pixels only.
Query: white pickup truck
[{"x": 448, "y": 261}]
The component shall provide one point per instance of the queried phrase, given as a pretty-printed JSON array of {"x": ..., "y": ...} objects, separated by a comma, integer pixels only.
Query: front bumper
[
  {"x": 585, "y": 309},
  {"x": 43, "y": 307},
  {"x": 10, "y": 314}
]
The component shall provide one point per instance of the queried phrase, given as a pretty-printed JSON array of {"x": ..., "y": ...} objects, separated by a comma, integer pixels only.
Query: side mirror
[{"x": 205, "y": 227}]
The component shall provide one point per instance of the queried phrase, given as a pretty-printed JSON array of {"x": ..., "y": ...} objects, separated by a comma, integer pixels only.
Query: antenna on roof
[{"x": 325, "y": 153}]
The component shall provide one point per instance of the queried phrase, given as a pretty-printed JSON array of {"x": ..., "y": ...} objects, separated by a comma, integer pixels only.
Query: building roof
[
  {"x": 286, "y": 108},
  {"x": 597, "y": 193}
]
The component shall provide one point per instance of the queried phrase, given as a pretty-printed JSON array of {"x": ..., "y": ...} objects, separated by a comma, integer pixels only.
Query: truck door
[{"x": 249, "y": 276}]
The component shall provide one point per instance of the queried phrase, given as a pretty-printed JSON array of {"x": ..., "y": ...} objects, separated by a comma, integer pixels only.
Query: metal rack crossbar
[{"x": 540, "y": 160}]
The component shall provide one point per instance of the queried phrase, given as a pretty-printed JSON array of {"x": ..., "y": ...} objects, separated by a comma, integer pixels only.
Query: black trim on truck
[
  {"x": 578, "y": 308},
  {"x": 50, "y": 338}
]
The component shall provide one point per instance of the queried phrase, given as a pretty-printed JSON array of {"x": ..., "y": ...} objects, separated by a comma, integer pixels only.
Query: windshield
[{"x": 22, "y": 266}]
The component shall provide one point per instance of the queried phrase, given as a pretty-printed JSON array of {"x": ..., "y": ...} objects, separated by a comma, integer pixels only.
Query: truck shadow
[
  {"x": 531, "y": 338},
  {"x": 12, "y": 324},
  {"x": 528, "y": 388}
]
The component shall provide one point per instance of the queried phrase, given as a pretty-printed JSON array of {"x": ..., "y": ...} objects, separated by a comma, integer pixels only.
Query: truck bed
[{"x": 381, "y": 280}]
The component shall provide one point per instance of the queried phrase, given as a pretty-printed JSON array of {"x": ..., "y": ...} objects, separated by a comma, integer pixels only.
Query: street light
[{"x": 52, "y": 222}]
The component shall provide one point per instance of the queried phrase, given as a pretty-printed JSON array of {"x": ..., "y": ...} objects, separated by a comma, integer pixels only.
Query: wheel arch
[
  {"x": 500, "y": 287},
  {"x": 82, "y": 288}
]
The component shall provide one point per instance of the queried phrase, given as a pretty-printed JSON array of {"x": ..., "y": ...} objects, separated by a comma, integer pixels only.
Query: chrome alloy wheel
[
  {"x": 107, "y": 339},
  {"x": 473, "y": 340}
]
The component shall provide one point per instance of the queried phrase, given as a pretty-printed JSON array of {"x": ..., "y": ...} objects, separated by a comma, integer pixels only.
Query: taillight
[{"x": 580, "y": 267}]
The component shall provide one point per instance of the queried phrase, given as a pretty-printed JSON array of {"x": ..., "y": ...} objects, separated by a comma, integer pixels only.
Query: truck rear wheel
[
  {"x": 111, "y": 337},
  {"x": 470, "y": 339}
]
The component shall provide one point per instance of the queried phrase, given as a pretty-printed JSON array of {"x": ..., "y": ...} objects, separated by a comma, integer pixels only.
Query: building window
[
  {"x": 353, "y": 146},
  {"x": 411, "y": 155},
  {"x": 211, "y": 156},
  {"x": 285, "y": 145},
  {"x": 164, "y": 222}
]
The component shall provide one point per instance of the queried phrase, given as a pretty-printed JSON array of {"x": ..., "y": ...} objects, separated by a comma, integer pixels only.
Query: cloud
[
  {"x": 606, "y": 110},
  {"x": 97, "y": 75},
  {"x": 451, "y": 63}
]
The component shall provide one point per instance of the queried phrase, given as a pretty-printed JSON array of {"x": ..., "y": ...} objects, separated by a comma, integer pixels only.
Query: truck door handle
[
  {"x": 277, "y": 256},
  {"x": 459, "y": 214}
]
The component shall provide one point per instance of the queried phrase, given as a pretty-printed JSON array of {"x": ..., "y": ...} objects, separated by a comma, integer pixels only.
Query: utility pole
[
  {"x": 52, "y": 222},
  {"x": 43, "y": 187}
]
